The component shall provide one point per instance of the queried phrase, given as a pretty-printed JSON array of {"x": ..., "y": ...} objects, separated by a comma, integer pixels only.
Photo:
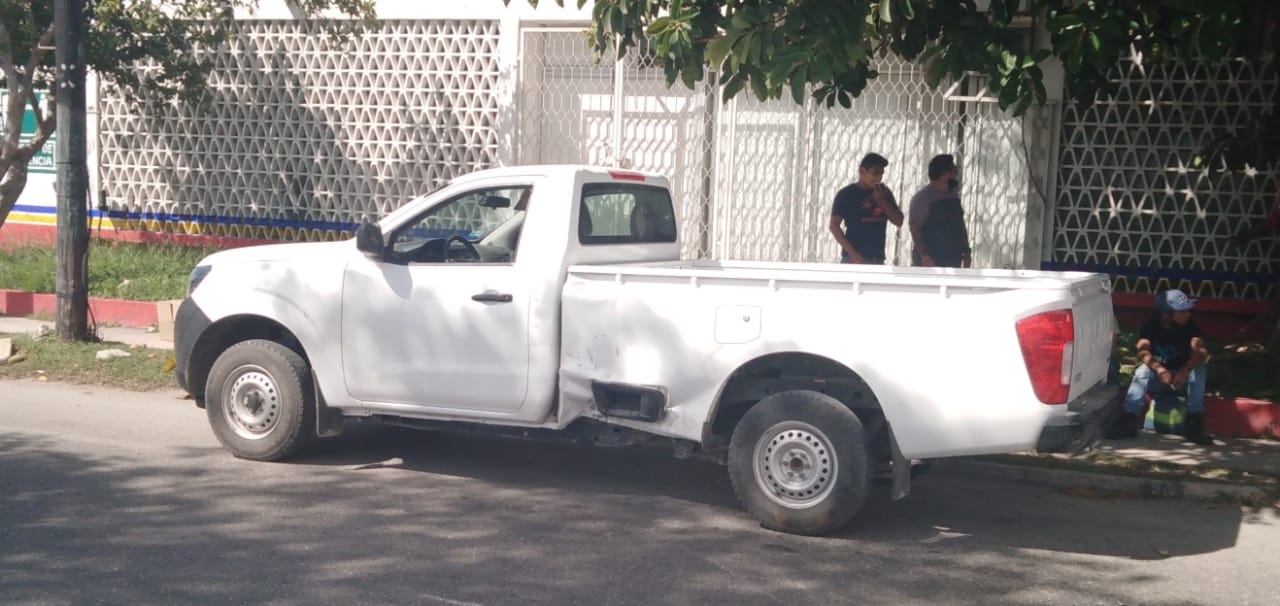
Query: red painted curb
[
  {"x": 14, "y": 235},
  {"x": 1242, "y": 418},
  {"x": 133, "y": 314}
]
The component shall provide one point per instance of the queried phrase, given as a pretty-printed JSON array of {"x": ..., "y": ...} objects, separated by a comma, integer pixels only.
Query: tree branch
[
  {"x": 6, "y": 60},
  {"x": 37, "y": 53},
  {"x": 12, "y": 113}
]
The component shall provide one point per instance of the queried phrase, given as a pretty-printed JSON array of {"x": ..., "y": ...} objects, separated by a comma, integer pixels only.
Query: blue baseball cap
[{"x": 1174, "y": 300}]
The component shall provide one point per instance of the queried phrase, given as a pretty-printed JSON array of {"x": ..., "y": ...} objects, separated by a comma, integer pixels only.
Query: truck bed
[{"x": 937, "y": 346}]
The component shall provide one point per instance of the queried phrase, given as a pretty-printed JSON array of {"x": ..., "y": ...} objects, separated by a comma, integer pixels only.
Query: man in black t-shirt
[
  {"x": 865, "y": 207},
  {"x": 1171, "y": 351}
]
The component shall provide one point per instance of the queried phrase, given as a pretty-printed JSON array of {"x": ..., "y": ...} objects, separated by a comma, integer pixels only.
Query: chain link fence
[{"x": 756, "y": 180}]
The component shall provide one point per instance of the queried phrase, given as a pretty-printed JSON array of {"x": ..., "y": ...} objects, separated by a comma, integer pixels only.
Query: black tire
[
  {"x": 787, "y": 442},
  {"x": 274, "y": 417}
]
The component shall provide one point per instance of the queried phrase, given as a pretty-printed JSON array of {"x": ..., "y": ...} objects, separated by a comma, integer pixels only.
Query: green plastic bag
[{"x": 1166, "y": 417}]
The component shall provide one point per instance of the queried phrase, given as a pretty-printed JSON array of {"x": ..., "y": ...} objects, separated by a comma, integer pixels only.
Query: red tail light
[
  {"x": 619, "y": 175},
  {"x": 1047, "y": 341}
]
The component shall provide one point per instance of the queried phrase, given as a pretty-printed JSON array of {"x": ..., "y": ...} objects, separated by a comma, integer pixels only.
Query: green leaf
[
  {"x": 1007, "y": 96},
  {"x": 658, "y": 26},
  {"x": 741, "y": 47},
  {"x": 717, "y": 50},
  {"x": 1064, "y": 22},
  {"x": 755, "y": 55},
  {"x": 907, "y": 8},
  {"x": 1075, "y": 60},
  {"x": 733, "y": 85},
  {"x": 615, "y": 19},
  {"x": 1008, "y": 60},
  {"x": 1023, "y": 105},
  {"x": 819, "y": 70},
  {"x": 886, "y": 12},
  {"x": 797, "y": 85},
  {"x": 692, "y": 74},
  {"x": 937, "y": 69},
  {"x": 759, "y": 85}
]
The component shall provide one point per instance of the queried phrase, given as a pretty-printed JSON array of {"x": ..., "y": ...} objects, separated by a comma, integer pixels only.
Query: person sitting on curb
[{"x": 1171, "y": 350}]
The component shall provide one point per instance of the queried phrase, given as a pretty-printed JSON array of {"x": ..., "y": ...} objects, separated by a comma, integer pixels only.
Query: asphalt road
[{"x": 119, "y": 498}]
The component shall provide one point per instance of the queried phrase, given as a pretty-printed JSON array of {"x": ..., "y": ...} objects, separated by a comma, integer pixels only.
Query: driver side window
[{"x": 479, "y": 226}]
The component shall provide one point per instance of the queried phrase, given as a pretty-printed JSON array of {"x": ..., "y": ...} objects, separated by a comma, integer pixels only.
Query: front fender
[{"x": 202, "y": 321}]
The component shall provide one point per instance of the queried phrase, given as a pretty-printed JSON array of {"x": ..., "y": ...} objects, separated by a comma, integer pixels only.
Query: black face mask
[{"x": 953, "y": 184}]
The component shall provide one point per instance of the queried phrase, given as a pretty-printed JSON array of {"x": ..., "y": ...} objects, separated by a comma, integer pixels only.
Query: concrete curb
[
  {"x": 1115, "y": 484},
  {"x": 133, "y": 314}
]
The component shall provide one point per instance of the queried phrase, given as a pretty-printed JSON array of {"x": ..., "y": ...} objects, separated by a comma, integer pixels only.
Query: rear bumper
[{"x": 1082, "y": 426}]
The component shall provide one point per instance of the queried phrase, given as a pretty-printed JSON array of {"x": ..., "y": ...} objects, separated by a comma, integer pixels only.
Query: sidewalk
[
  {"x": 1251, "y": 456},
  {"x": 1150, "y": 465},
  {"x": 126, "y": 336}
]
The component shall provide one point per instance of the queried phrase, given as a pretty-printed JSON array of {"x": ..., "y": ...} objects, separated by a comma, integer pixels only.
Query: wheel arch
[
  {"x": 226, "y": 332},
  {"x": 773, "y": 373}
]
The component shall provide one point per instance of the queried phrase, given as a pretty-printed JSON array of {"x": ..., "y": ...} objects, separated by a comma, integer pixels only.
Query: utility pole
[{"x": 73, "y": 172}]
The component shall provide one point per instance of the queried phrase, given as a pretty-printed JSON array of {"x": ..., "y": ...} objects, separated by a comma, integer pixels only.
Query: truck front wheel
[
  {"x": 259, "y": 400},
  {"x": 799, "y": 462}
]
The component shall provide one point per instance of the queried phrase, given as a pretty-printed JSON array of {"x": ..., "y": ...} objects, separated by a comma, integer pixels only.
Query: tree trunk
[
  {"x": 11, "y": 186},
  {"x": 73, "y": 174}
]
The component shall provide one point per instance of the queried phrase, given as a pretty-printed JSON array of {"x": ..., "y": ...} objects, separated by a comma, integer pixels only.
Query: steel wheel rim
[
  {"x": 795, "y": 465},
  {"x": 251, "y": 404}
]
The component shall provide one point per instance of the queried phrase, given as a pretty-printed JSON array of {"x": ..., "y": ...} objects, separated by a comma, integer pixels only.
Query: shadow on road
[
  {"x": 384, "y": 515},
  {"x": 953, "y": 508}
]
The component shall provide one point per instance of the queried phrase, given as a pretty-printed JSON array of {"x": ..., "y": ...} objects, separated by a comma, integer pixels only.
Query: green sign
[{"x": 43, "y": 161}]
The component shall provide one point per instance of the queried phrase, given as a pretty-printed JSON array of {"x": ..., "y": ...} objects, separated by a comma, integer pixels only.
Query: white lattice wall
[
  {"x": 301, "y": 138},
  {"x": 1130, "y": 201}
]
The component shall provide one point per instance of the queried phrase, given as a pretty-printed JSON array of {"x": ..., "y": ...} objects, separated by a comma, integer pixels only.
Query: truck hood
[{"x": 277, "y": 252}]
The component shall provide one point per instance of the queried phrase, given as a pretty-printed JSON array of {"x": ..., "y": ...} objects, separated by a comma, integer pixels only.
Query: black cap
[{"x": 873, "y": 160}]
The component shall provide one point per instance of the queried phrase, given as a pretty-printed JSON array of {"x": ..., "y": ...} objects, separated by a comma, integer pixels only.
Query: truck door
[{"x": 442, "y": 320}]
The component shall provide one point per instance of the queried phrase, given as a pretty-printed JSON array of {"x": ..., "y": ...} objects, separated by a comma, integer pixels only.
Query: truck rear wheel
[
  {"x": 259, "y": 400},
  {"x": 799, "y": 462}
]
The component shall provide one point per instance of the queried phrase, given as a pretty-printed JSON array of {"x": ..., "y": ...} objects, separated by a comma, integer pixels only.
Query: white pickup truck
[{"x": 551, "y": 301}]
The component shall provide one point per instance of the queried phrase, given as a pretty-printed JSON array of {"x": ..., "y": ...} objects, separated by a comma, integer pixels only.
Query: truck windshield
[{"x": 625, "y": 213}]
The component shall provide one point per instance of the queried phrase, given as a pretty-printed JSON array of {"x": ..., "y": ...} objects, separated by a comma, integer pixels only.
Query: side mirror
[
  {"x": 369, "y": 240},
  {"x": 496, "y": 202}
]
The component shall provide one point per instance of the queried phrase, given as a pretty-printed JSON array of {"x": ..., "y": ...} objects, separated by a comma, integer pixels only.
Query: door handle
[{"x": 492, "y": 297}]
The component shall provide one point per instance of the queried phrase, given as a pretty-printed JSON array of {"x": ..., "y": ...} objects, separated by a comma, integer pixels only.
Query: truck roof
[{"x": 565, "y": 170}]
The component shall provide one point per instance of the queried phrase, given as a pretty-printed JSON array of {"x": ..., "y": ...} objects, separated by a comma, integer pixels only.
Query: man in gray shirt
[{"x": 938, "y": 233}]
